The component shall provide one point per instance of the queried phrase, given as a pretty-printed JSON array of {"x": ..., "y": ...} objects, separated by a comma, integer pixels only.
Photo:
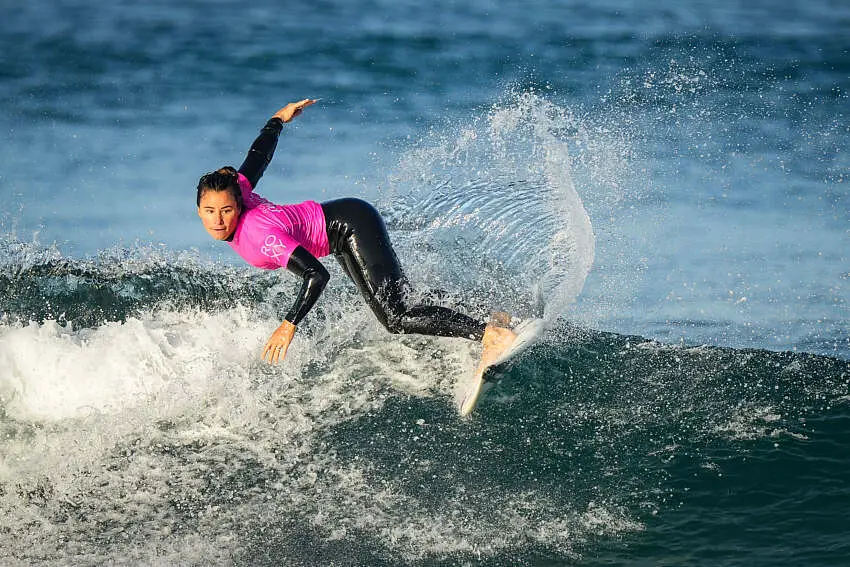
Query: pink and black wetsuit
[{"x": 272, "y": 236}]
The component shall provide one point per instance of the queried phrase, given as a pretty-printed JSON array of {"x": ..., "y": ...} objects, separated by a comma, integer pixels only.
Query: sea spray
[{"x": 495, "y": 201}]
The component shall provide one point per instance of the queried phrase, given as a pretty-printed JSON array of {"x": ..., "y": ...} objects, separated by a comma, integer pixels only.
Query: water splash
[{"x": 497, "y": 201}]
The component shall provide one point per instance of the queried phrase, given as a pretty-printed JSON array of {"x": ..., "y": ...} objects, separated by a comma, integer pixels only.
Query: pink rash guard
[{"x": 266, "y": 233}]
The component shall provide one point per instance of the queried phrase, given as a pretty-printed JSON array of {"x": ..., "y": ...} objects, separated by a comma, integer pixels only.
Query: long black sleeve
[
  {"x": 314, "y": 277},
  {"x": 262, "y": 151}
]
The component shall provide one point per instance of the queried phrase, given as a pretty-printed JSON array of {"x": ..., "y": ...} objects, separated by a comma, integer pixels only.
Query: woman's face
[{"x": 219, "y": 212}]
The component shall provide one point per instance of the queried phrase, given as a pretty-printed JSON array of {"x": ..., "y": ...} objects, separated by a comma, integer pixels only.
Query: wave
[
  {"x": 138, "y": 424},
  {"x": 38, "y": 284},
  {"x": 184, "y": 445}
]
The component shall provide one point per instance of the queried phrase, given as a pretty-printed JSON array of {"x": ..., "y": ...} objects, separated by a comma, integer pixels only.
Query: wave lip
[{"x": 495, "y": 199}]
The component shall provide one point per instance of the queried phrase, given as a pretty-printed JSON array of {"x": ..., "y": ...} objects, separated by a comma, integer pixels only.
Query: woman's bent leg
[{"x": 359, "y": 240}]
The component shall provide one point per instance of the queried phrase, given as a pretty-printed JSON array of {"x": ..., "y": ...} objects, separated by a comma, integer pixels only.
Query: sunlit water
[{"x": 665, "y": 185}]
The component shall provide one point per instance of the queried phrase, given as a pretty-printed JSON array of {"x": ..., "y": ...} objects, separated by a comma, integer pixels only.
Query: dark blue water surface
[{"x": 666, "y": 182}]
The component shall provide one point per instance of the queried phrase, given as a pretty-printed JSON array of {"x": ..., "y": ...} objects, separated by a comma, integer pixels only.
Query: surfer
[{"x": 272, "y": 236}]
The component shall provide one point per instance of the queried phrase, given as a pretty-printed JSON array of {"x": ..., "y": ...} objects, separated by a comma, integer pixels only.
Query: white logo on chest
[{"x": 274, "y": 247}]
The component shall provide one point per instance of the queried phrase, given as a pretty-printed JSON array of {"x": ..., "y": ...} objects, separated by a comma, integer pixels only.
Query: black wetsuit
[{"x": 358, "y": 238}]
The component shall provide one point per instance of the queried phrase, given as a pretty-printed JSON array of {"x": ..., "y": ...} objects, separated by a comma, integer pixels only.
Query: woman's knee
[{"x": 390, "y": 322}]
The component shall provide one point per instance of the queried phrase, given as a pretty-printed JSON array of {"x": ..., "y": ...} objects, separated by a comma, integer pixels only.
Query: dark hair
[{"x": 224, "y": 179}]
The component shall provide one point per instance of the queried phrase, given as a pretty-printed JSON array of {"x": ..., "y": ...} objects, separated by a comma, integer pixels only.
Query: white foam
[
  {"x": 52, "y": 372},
  {"x": 750, "y": 422},
  {"x": 140, "y": 441},
  {"x": 346, "y": 500}
]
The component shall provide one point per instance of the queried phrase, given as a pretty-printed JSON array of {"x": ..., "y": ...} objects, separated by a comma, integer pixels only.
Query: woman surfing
[{"x": 272, "y": 236}]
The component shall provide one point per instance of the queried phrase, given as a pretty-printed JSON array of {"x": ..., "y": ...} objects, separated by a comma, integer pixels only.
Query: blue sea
[{"x": 664, "y": 183}]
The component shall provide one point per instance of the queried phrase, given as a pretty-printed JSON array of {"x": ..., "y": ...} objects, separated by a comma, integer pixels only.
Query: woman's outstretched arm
[{"x": 262, "y": 150}]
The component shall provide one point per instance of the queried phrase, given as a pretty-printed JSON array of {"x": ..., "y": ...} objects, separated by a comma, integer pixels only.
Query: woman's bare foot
[{"x": 497, "y": 339}]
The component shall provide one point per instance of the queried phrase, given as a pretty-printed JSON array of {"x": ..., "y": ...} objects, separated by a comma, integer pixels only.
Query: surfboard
[{"x": 528, "y": 332}]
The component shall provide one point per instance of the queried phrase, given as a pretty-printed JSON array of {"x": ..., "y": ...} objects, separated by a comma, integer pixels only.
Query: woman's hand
[
  {"x": 278, "y": 343},
  {"x": 293, "y": 109}
]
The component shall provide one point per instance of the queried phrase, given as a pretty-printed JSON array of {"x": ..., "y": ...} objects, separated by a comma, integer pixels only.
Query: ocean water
[{"x": 665, "y": 184}]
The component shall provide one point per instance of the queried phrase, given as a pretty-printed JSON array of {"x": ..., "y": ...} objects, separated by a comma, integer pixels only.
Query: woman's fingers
[
  {"x": 300, "y": 106},
  {"x": 267, "y": 352},
  {"x": 293, "y": 109},
  {"x": 279, "y": 353},
  {"x": 278, "y": 343},
  {"x": 274, "y": 353}
]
